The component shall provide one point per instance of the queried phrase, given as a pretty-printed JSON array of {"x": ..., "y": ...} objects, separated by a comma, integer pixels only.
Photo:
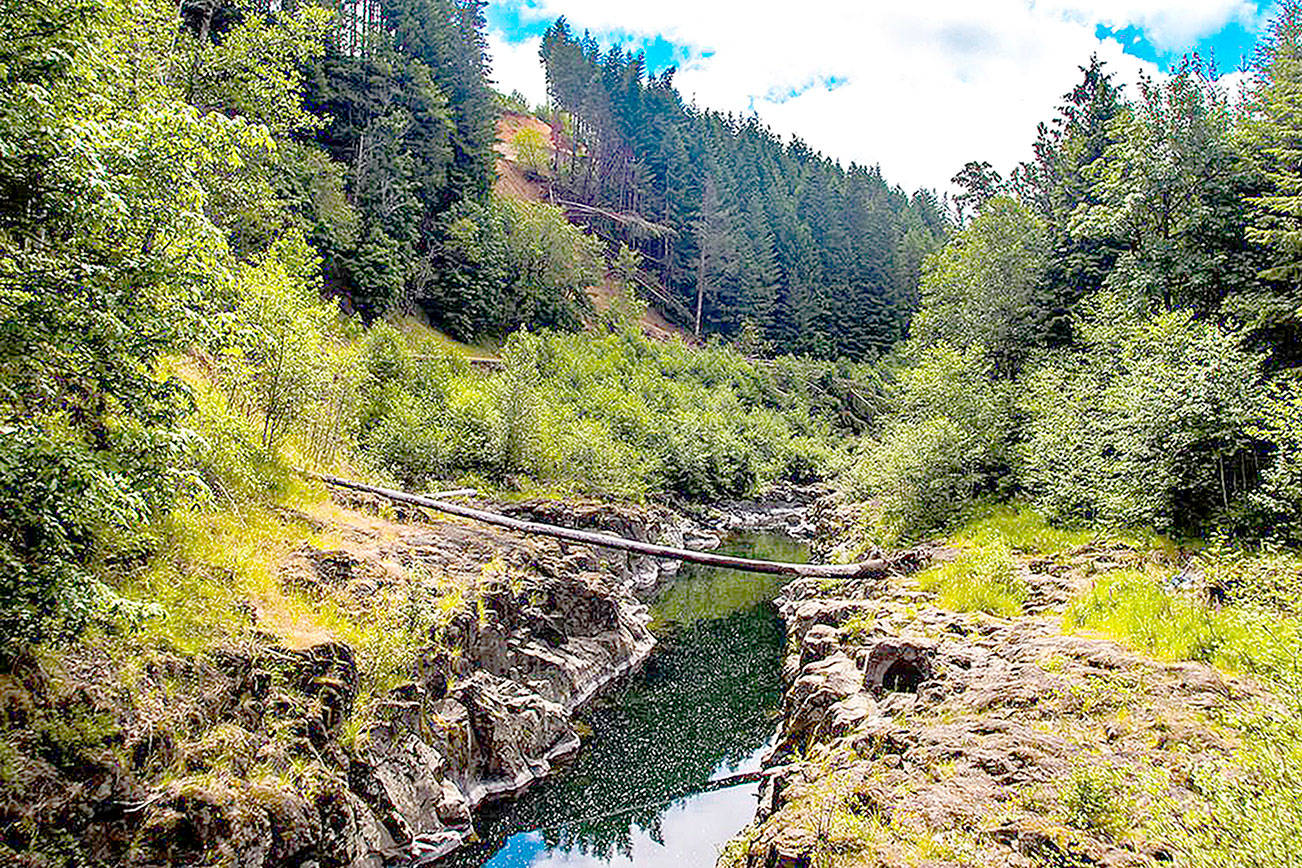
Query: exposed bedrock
[
  {"x": 274, "y": 752},
  {"x": 952, "y": 738}
]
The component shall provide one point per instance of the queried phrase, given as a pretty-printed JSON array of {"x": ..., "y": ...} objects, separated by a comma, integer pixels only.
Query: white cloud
[
  {"x": 1168, "y": 25},
  {"x": 927, "y": 85},
  {"x": 516, "y": 66}
]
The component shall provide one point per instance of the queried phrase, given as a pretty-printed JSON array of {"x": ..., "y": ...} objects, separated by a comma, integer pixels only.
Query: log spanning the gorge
[{"x": 605, "y": 540}]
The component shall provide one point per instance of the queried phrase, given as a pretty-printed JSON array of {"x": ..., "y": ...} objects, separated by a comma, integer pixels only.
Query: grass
[
  {"x": 1250, "y": 807},
  {"x": 1026, "y": 530},
  {"x": 214, "y": 569},
  {"x": 1135, "y": 606},
  {"x": 425, "y": 337},
  {"x": 1094, "y": 798},
  {"x": 983, "y": 578},
  {"x": 1251, "y": 814},
  {"x": 858, "y": 627}
]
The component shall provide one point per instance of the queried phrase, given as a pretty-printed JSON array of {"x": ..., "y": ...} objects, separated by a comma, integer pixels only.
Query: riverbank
[
  {"x": 440, "y": 668},
  {"x": 669, "y": 769},
  {"x": 973, "y": 713}
]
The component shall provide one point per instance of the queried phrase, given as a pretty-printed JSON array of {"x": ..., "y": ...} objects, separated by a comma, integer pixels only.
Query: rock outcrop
[
  {"x": 305, "y": 750},
  {"x": 912, "y": 735}
]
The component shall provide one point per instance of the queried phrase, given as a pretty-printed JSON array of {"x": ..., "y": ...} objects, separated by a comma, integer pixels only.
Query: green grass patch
[
  {"x": 1095, "y": 798},
  {"x": 983, "y": 578},
  {"x": 1135, "y": 606},
  {"x": 430, "y": 339},
  {"x": 1249, "y": 810},
  {"x": 1250, "y": 813},
  {"x": 211, "y": 571},
  {"x": 1025, "y": 530}
]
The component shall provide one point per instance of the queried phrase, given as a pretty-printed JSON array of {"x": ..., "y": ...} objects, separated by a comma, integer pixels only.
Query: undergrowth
[
  {"x": 1140, "y": 607},
  {"x": 1249, "y": 813},
  {"x": 982, "y": 578},
  {"x": 1026, "y": 530}
]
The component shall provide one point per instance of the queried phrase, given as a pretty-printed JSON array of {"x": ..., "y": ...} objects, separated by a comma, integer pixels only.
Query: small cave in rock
[{"x": 903, "y": 676}]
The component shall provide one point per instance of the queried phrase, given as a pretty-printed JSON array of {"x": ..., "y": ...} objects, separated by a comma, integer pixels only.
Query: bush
[
  {"x": 1094, "y": 798},
  {"x": 59, "y": 496},
  {"x": 273, "y": 357},
  {"x": 500, "y": 265},
  {"x": 945, "y": 442},
  {"x": 1153, "y": 424},
  {"x": 1275, "y": 507},
  {"x": 614, "y": 414},
  {"x": 531, "y": 150},
  {"x": 984, "y": 578}
]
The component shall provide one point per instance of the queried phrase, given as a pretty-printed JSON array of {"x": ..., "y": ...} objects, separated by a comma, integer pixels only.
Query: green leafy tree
[
  {"x": 946, "y": 439},
  {"x": 109, "y": 259},
  {"x": 1153, "y": 424},
  {"x": 1271, "y": 137},
  {"x": 986, "y": 287},
  {"x": 1170, "y": 188},
  {"x": 503, "y": 264},
  {"x": 979, "y": 183}
]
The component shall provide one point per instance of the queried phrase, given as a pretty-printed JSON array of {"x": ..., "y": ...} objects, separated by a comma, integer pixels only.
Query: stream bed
[{"x": 701, "y": 710}]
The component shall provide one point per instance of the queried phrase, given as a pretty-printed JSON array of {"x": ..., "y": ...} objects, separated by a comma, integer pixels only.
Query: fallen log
[{"x": 877, "y": 566}]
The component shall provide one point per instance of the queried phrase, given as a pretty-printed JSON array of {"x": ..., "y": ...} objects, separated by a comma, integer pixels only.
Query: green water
[{"x": 703, "y": 708}]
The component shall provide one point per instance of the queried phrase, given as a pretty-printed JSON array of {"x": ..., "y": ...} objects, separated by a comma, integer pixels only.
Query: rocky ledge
[
  {"x": 286, "y": 750},
  {"x": 912, "y": 735}
]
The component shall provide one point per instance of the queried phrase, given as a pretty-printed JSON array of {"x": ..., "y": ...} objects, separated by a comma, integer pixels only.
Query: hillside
[
  {"x": 518, "y": 183},
  {"x": 1035, "y": 451}
]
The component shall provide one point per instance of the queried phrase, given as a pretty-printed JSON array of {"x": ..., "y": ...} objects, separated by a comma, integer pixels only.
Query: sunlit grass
[
  {"x": 1025, "y": 530},
  {"x": 215, "y": 573},
  {"x": 1135, "y": 606},
  {"x": 983, "y": 578},
  {"x": 1249, "y": 810},
  {"x": 423, "y": 336}
]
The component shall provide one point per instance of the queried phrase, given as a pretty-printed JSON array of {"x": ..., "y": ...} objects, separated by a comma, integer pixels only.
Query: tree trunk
[
  {"x": 878, "y": 566},
  {"x": 700, "y": 287}
]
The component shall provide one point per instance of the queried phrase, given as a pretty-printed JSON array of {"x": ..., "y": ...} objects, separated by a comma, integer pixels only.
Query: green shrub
[
  {"x": 1134, "y": 606},
  {"x": 531, "y": 150},
  {"x": 1152, "y": 425},
  {"x": 614, "y": 414},
  {"x": 983, "y": 578},
  {"x": 1094, "y": 798},
  {"x": 1276, "y": 505},
  {"x": 945, "y": 442},
  {"x": 60, "y": 497},
  {"x": 702, "y": 458}
]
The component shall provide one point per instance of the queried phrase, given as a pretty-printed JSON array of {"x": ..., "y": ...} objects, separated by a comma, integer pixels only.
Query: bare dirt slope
[{"x": 514, "y": 182}]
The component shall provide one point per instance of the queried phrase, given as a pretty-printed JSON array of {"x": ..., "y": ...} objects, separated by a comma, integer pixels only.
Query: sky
[{"x": 918, "y": 87}]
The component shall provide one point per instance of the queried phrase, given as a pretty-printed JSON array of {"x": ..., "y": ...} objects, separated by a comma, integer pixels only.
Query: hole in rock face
[{"x": 902, "y": 677}]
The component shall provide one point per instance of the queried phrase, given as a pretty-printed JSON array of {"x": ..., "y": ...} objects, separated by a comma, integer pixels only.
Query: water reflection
[{"x": 702, "y": 710}]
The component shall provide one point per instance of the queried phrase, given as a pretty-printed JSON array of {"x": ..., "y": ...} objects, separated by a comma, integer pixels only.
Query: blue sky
[
  {"x": 917, "y": 88},
  {"x": 512, "y": 19},
  {"x": 1229, "y": 46}
]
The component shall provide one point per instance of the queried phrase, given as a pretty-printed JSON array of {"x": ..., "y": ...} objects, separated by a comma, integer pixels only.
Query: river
[{"x": 702, "y": 709}]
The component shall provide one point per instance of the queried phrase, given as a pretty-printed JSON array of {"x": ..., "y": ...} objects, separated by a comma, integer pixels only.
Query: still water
[{"x": 702, "y": 709}]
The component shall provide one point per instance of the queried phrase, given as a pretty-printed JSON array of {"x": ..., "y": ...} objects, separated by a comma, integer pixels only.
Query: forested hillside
[
  {"x": 247, "y": 242},
  {"x": 207, "y": 211},
  {"x": 1114, "y": 331},
  {"x": 738, "y": 231}
]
